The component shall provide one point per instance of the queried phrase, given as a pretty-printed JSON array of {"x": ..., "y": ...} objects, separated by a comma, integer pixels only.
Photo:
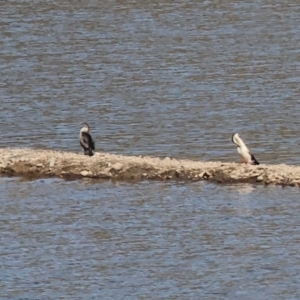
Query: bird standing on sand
[
  {"x": 86, "y": 140},
  {"x": 243, "y": 150}
]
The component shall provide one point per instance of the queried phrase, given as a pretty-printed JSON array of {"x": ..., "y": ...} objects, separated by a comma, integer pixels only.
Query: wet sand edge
[{"x": 37, "y": 163}]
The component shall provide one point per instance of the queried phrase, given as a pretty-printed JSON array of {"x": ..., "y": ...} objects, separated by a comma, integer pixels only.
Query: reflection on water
[
  {"x": 86, "y": 239},
  {"x": 244, "y": 189},
  {"x": 244, "y": 198}
]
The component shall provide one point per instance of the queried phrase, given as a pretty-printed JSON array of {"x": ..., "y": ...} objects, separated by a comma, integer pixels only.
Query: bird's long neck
[{"x": 239, "y": 142}]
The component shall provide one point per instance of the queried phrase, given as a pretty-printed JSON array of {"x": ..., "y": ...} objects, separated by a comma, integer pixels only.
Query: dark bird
[
  {"x": 246, "y": 156},
  {"x": 86, "y": 141}
]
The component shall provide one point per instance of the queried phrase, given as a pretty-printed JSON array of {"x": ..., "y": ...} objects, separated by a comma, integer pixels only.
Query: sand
[{"x": 36, "y": 163}]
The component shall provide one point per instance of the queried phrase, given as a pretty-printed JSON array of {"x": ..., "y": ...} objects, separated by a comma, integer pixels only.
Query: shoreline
[{"x": 38, "y": 163}]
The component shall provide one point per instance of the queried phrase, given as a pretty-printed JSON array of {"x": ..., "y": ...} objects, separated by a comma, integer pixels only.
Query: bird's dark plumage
[
  {"x": 86, "y": 141},
  {"x": 253, "y": 160}
]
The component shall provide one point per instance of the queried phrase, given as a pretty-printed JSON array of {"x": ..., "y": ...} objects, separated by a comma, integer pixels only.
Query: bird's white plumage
[
  {"x": 243, "y": 150},
  {"x": 85, "y": 128}
]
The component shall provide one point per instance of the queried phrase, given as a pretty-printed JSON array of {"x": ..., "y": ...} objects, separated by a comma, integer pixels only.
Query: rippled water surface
[
  {"x": 125, "y": 241},
  {"x": 166, "y": 78},
  {"x": 169, "y": 78}
]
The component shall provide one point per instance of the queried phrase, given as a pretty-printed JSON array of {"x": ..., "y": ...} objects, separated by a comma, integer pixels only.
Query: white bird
[
  {"x": 243, "y": 150},
  {"x": 86, "y": 140}
]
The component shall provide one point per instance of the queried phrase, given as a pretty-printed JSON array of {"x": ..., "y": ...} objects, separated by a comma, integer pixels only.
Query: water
[
  {"x": 163, "y": 79},
  {"x": 123, "y": 240},
  {"x": 166, "y": 79}
]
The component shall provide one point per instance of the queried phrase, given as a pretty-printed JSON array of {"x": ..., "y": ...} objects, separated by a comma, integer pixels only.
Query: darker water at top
[{"x": 164, "y": 79}]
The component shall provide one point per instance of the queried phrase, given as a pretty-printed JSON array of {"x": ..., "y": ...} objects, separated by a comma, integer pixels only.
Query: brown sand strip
[{"x": 33, "y": 163}]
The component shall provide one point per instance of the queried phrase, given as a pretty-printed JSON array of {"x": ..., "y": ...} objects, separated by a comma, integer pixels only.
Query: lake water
[
  {"x": 167, "y": 78},
  {"x": 87, "y": 240}
]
